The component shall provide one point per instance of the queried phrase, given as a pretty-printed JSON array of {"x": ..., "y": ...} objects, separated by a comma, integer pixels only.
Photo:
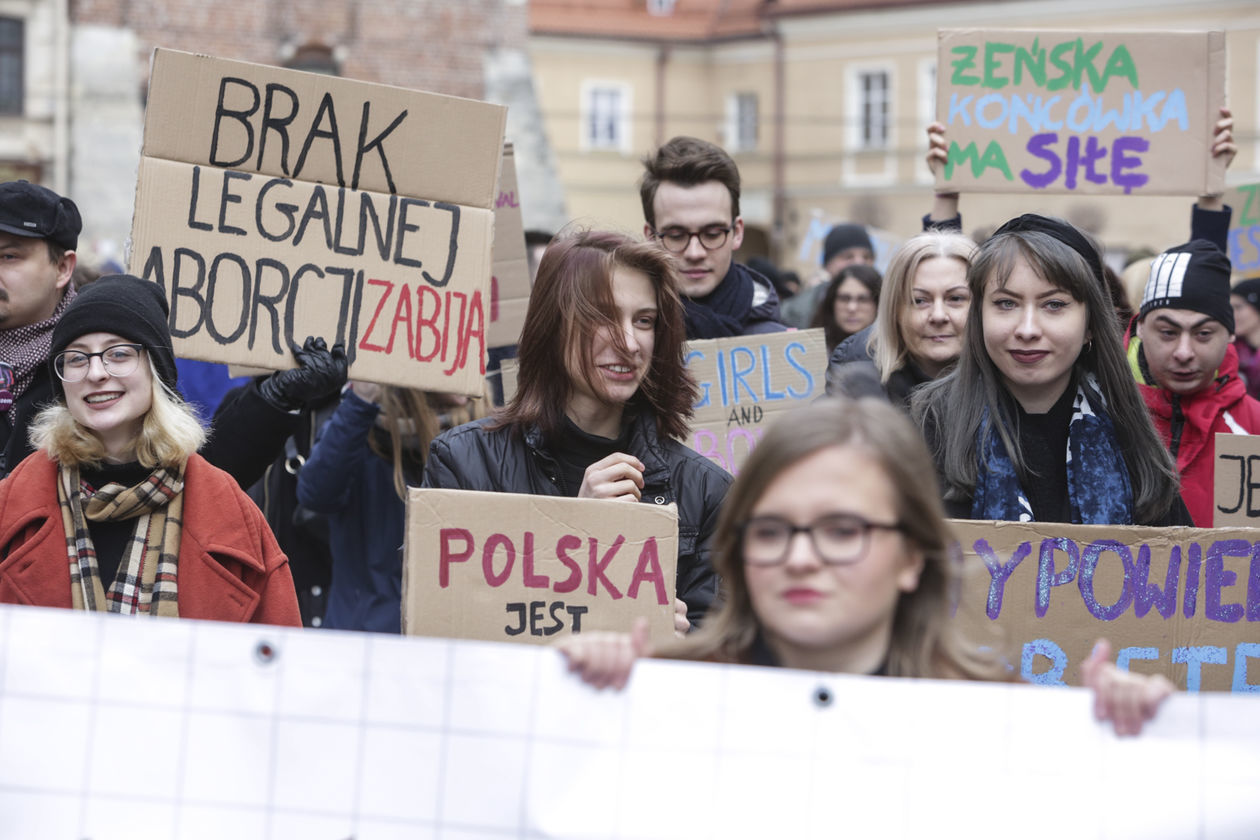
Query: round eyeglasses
[
  {"x": 676, "y": 240},
  {"x": 118, "y": 360},
  {"x": 838, "y": 538}
]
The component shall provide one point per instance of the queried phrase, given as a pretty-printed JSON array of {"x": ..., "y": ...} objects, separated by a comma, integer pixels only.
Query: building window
[
  {"x": 660, "y": 8},
  {"x": 741, "y": 122},
  {"x": 873, "y": 113},
  {"x": 605, "y": 116},
  {"x": 314, "y": 58},
  {"x": 12, "y": 60}
]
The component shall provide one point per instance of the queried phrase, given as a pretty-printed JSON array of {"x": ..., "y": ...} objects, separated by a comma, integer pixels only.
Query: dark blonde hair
[
  {"x": 925, "y": 640},
  {"x": 571, "y": 301},
  {"x": 412, "y": 421},
  {"x": 169, "y": 435}
]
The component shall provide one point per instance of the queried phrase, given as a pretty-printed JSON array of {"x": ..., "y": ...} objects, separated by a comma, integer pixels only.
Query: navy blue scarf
[{"x": 1099, "y": 492}]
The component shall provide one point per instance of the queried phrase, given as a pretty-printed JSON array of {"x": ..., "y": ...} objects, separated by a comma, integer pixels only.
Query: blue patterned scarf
[{"x": 1098, "y": 478}]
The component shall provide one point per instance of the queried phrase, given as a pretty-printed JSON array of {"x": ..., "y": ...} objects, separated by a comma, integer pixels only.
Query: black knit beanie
[
  {"x": 1194, "y": 276},
  {"x": 1248, "y": 290},
  {"x": 126, "y": 306},
  {"x": 842, "y": 237}
]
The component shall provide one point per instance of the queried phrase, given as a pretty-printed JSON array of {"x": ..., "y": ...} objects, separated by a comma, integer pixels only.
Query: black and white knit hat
[{"x": 1194, "y": 276}]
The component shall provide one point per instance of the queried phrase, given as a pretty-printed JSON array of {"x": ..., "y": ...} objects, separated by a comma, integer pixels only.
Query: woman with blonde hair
[
  {"x": 115, "y": 511},
  {"x": 918, "y": 329},
  {"x": 834, "y": 556}
]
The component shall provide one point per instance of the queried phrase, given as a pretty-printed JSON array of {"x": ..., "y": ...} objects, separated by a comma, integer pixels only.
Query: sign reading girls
[
  {"x": 1184, "y": 602},
  {"x": 745, "y": 383},
  {"x": 539, "y": 567},
  {"x": 273, "y": 204},
  {"x": 1080, "y": 112}
]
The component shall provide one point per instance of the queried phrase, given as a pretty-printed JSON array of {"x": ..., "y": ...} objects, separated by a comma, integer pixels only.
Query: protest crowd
[{"x": 1014, "y": 370}]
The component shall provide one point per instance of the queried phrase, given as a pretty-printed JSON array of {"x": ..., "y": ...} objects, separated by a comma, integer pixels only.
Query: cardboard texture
[
  {"x": 1069, "y": 111},
  {"x": 509, "y": 285},
  {"x": 273, "y": 204},
  {"x": 746, "y": 383},
  {"x": 1244, "y": 230},
  {"x": 1183, "y": 602},
  {"x": 1236, "y": 476},
  {"x": 538, "y": 568}
]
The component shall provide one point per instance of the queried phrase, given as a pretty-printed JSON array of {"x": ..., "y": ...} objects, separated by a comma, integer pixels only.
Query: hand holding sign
[
  {"x": 320, "y": 373},
  {"x": 1126, "y": 699},
  {"x": 618, "y": 476},
  {"x": 604, "y": 660}
]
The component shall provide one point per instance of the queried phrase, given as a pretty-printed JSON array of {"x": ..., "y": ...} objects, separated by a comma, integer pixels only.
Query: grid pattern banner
[{"x": 120, "y": 728}]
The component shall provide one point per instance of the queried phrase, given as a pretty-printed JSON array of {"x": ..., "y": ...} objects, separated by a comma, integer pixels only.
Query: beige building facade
[{"x": 824, "y": 107}]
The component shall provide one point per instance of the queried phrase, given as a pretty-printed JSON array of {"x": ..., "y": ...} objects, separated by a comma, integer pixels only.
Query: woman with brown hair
[
  {"x": 603, "y": 395},
  {"x": 833, "y": 552}
]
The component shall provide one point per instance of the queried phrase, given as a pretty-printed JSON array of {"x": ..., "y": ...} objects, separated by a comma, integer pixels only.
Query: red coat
[
  {"x": 230, "y": 567},
  {"x": 1189, "y": 424}
]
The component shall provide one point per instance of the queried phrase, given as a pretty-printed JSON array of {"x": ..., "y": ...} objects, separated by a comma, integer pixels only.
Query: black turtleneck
[
  {"x": 1043, "y": 440},
  {"x": 575, "y": 450},
  {"x": 110, "y": 538}
]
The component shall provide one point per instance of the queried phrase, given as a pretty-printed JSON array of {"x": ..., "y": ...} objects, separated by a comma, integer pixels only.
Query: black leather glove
[{"x": 320, "y": 373}]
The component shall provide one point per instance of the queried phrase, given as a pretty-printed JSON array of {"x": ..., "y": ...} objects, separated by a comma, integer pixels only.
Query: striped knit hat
[{"x": 1194, "y": 276}]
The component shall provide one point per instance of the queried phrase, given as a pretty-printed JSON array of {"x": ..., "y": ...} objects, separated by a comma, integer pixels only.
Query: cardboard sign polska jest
[
  {"x": 1067, "y": 111},
  {"x": 273, "y": 204},
  {"x": 539, "y": 567}
]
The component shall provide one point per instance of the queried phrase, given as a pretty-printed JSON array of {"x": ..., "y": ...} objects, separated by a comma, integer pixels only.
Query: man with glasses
[{"x": 690, "y": 195}]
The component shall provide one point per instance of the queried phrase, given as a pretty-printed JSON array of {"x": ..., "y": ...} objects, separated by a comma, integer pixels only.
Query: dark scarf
[
  {"x": 25, "y": 349},
  {"x": 1099, "y": 492},
  {"x": 725, "y": 311}
]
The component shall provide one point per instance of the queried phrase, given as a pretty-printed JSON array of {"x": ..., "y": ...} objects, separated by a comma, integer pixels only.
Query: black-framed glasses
[
  {"x": 118, "y": 360},
  {"x": 838, "y": 538},
  {"x": 676, "y": 240}
]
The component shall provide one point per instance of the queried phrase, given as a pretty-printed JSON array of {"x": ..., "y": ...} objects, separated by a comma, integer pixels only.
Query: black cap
[
  {"x": 125, "y": 306},
  {"x": 28, "y": 209},
  {"x": 1194, "y": 276}
]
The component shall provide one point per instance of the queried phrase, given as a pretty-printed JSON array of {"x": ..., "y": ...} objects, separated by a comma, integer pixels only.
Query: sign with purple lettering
[
  {"x": 1080, "y": 112},
  {"x": 1184, "y": 602},
  {"x": 512, "y": 567},
  {"x": 746, "y": 383}
]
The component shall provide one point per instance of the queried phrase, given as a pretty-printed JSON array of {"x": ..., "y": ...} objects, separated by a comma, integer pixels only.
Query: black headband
[{"x": 1062, "y": 231}]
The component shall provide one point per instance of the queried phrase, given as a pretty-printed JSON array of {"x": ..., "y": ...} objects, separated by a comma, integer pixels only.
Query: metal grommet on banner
[
  {"x": 823, "y": 697},
  {"x": 265, "y": 652}
]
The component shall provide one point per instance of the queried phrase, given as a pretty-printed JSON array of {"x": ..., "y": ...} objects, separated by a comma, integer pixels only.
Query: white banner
[{"x": 117, "y": 728}]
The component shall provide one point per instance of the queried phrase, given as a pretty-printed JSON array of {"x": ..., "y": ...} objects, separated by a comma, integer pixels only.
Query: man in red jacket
[{"x": 1182, "y": 355}]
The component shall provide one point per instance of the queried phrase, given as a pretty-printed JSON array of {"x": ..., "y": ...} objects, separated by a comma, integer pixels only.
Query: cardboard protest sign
[
  {"x": 746, "y": 383},
  {"x": 540, "y": 566},
  {"x": 509, "y": 283},
  {"x": 1080, "y": 112},
  {"x": 1244, "y": 231},
  {"x": 1184, "y": 602},
  {"x": 1236, "y": 474},
  {"x": 273, "y": 204}
]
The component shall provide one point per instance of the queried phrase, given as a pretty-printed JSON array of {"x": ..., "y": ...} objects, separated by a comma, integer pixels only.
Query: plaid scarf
[
  {"x": 26, "y": 348},
  {"x": 146, "y": 580}
]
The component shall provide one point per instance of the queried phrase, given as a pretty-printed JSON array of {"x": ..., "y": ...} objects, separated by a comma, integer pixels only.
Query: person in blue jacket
[{"x": 372, "y": 447}]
